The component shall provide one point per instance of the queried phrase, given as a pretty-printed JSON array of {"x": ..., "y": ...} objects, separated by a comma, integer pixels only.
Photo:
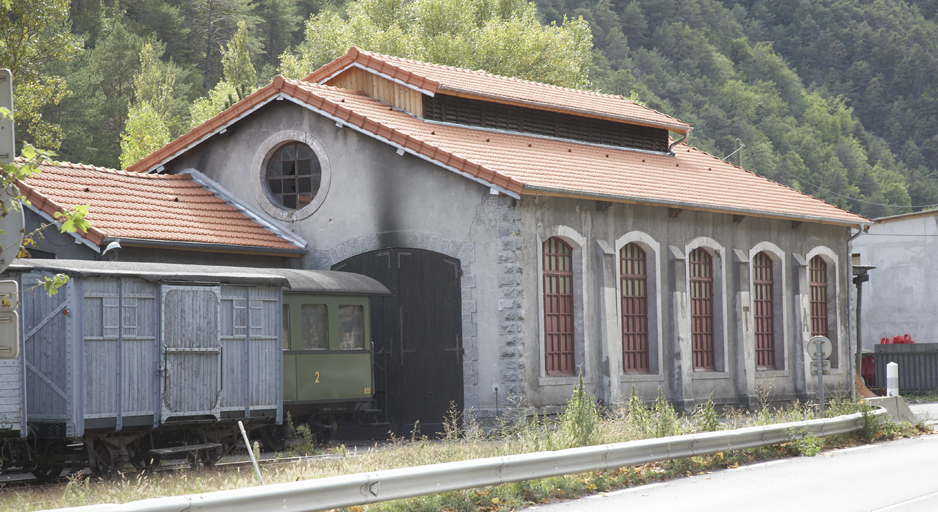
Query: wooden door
[
  {"x": 191, "y": 351},
  {"x": 417, "y": 336}
]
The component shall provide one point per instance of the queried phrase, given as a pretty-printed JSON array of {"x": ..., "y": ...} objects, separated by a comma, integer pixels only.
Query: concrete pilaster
[
  {"x": 745, "y": 337},
  {"x": 801, "y": 294},
  {"x": 610, "y": 341},
  {"x": 682, "y": 355}
]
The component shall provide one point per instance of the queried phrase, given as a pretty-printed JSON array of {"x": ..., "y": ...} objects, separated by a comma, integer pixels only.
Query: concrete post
[{"x": 892, "y": 379}]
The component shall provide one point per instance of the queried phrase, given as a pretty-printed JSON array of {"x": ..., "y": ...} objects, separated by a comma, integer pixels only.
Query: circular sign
[
  {"x": 11, "y": 235},
  {"x": 826, "y": 347}
]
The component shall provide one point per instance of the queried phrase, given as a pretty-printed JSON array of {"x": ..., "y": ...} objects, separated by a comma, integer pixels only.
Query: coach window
[
  {"x": 315, "y": 326},
  {"x": 352, "y": 327},
  {"x": 286, "y": 327}
]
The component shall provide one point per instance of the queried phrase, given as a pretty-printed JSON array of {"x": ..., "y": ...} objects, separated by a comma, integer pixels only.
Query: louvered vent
[{"x": 452, "y": 109}]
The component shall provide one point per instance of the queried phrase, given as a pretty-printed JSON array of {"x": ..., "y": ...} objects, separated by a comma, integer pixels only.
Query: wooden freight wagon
[
  {"x": 131, "y": 362},
  {"x": 126, "y": 350}
]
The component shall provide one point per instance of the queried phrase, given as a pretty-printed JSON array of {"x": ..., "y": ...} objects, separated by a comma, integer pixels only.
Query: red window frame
[
  {"x": 817, "y": 271},
  {"x": 763, "y": 283},
  {"x": 701, "y": 306},
  {"x": 634, "y": 297},
  {"x": 558, "y": 308}
]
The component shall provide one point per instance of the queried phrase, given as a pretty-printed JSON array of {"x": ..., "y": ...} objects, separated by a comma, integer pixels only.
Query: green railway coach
[{"x": 327, "y": 349}]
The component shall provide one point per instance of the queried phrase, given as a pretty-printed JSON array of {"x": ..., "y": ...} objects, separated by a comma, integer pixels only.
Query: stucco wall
[{"x": 901, "y": 294}]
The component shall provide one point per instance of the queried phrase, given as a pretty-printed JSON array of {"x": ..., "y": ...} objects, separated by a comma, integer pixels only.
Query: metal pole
[
  {"x": 247, "y": 444},
  {"x": 819, "y": 361}
]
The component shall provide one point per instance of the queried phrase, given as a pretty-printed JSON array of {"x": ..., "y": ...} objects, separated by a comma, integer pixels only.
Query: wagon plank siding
[
  {"x": 266, "y": 348},
  {"x": 11, "y": 410},
  {"x": 233, "y": 325},
  {"x": 101, "y": 326},
  {"x": 141, "y": 319},
  {"x": 46, "y": 351}
]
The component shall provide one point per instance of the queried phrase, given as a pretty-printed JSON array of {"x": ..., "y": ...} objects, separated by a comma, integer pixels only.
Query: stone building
[{"x": 529, "y": 233}]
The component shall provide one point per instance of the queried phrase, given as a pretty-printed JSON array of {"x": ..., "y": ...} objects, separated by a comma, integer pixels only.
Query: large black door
[{"x": 417, "y": 335}]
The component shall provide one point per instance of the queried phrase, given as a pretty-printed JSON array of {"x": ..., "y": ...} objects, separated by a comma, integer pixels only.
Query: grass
[{"x": 582, "y": 423}]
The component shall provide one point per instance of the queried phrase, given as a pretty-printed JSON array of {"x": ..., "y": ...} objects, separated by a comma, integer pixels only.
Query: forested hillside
[{"x": 836, "y": 98}]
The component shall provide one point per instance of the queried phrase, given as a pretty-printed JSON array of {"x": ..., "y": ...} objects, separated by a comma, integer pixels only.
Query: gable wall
[
  {"x": 389, "y": 92},
  {"x": 377, "y": 199}
]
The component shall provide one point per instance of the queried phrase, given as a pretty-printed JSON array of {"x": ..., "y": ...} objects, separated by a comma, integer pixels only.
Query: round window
[{"x": 293, "y": 175}]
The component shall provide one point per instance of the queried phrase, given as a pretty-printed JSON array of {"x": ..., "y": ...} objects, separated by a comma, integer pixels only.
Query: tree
[
  {"x": 33, "y": 34},
  {"x": 499, "y": 36},
  {"x": 102, "y": 80},
  {"x": 144, "y": 133},
  {"x": 213, "y": 23},
  {"x": 150, "y": 114},
  {"x": 280, "y": 20},
  {"x": 13, "y": 172},
  {"x": 240, "y": 80}
]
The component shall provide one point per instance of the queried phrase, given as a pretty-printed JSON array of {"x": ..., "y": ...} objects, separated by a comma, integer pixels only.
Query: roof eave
[
  {"x": 204, "y": 247},
  {"x": 209, "y": 128},
  {"x": 542, "y": 190}
]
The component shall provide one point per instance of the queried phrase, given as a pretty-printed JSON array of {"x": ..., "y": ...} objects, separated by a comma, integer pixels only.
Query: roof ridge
[{"x": 493, "y": 75}]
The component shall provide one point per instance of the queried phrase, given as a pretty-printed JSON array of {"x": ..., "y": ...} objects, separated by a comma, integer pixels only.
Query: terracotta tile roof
[
  {"x": 518, "y": 163},
  {"x": 147, "y": 206},
  {"x": 486, "y": 86}
]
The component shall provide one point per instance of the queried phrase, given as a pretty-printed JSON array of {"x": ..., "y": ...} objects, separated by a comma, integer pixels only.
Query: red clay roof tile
[
  {"x": 520, "y": 163},
  {"x": 486, "y": 86},
  {"x": 146, "y": 206}
]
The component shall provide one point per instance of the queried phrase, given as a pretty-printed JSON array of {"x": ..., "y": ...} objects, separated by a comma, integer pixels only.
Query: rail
[{"x": 393, "y": 484}]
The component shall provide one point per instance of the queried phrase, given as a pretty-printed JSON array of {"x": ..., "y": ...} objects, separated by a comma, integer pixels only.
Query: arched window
[
  {"x": 558, "y": 308},
  {"x": 763, "y": 282},
  {"x": 293, "y": 175},
  {"x": 820, "y": 322},
  {"x": 634, "y": 279},
  {"x": 701, "y": 303}
]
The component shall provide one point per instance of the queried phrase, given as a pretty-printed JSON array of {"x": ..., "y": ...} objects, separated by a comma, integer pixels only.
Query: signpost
[
  {"x": 12, "y": 224},
  {"x": 7, "y": 136},
  {"x": 819, "y": 347}
]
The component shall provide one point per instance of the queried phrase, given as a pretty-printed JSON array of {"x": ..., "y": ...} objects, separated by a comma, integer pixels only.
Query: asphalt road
[{"x": 893, "y": 476}]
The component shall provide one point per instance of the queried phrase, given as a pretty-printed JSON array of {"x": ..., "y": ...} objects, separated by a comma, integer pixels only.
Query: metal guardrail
[{"x": 393, "y": 484}]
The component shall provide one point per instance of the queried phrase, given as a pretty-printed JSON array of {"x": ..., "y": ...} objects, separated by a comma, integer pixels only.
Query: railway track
[{"x": 24, "y": 478}]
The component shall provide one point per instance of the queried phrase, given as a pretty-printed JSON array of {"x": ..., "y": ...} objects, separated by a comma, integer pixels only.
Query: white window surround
[
  {"x": 720, "y": 340},
  {"x": 259, "y": 170},
  {"x": 833, "y": 306},
  {"x": 780, "y": 301},
  {"x": 580, "y": 304},
  {"x": 653, "y": 272}
]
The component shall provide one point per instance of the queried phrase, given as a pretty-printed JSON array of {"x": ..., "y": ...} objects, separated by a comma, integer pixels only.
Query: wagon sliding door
[{"x": 191, "y": 351}]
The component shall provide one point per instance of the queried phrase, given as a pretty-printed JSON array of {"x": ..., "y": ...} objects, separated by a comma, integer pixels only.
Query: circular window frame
[{"x": 262, "y": 157}]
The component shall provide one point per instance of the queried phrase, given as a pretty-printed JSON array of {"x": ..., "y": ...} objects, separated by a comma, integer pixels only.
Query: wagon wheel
[
  {"x": 47, "y": 474},
  {"x": 102, "y": 462},
  {"x": 275, "y": 437},
  {"x": 210, "y": 456}
]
